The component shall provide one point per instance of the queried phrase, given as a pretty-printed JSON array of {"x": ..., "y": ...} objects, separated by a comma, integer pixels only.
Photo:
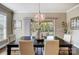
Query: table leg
[
  {"x": 70, "y": 50},
  {"x": 8, "y": 50},
  {"x": 37, "y": 50}
]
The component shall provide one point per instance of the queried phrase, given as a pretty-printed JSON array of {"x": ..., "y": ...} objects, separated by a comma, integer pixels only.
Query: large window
[
  {"x": 2, "y": 27},
  {"x": 46, "y": 28}
]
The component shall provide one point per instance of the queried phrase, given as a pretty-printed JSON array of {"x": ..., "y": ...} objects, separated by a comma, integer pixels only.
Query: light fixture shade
[{"x": 39, "y": 17}]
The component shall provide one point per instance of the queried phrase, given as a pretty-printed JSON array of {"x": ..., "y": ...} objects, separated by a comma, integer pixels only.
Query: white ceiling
[{"x": 44, "y": 7}]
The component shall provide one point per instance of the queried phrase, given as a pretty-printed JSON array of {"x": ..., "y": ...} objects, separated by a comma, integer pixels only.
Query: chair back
[
  {"x": 52, "y": 47},
  {"x": 26, "y": 47},
  {"x": 11, "y": 38}
]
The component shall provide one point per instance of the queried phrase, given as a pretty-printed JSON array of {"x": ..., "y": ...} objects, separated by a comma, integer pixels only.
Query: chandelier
[{"x": 39, "y": 17}]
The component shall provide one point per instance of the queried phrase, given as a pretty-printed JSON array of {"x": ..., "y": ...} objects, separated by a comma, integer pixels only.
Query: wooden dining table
[{"x": 62, "y": 43}]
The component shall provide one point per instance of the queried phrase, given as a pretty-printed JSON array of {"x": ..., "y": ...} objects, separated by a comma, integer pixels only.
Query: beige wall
[
  {"x": 71, "y": 14},
  {"x": 61, "y": 17},
  {"x": 4, "y": 10}
]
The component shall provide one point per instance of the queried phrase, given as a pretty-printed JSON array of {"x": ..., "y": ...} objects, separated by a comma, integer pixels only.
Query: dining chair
[
  {"x": 14, "y": 50},
  {"x": 65, "y": 50},
  {"x": 26, "y": 47},
  {"x": 11, "y": 38},
  {"x": 51, "y": 47}
]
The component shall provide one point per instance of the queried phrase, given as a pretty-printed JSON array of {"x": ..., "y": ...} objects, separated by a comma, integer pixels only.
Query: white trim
[
  {"x": 54, "y": 28},
  {"x": 41, "y": 12},
  {"x": 72, "y": 8}
]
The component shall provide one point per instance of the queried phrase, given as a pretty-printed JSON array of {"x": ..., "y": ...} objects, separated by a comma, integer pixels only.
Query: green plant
[{"x": 64, "y": 25}]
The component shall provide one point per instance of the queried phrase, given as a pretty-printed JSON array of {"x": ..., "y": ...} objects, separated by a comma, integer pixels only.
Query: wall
[
  {"x": 58, "y": 23},
  {"x": 75, "y": 38},
  {"x": 75, "y": 33},
  {"x": 4, "y": 10}
]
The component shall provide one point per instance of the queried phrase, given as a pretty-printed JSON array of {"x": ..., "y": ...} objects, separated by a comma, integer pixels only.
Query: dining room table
[{"x": 37, "y": 45}]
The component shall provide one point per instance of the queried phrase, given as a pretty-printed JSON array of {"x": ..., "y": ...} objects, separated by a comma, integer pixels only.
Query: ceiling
[{"x": 44, "y": 7}]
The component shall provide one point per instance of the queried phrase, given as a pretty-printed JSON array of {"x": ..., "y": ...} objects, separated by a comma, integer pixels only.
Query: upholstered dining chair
[
  {"x": 26, "y": 47},
  {"x": 14, "y": 50},
  {"x": 65, "y": 50},
  {"x": 51, "y": 47}
]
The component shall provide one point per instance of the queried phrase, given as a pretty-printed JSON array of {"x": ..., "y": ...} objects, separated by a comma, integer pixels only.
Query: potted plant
[{"x": 64, "y": 25}]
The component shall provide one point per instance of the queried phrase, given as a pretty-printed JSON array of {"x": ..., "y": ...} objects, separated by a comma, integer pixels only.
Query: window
[
  {"x": 2, "y": 27},
  {"x": 75, "y": 23},
  {"x": 17, "y": 28},
  {"x": 46, "y": 28}
]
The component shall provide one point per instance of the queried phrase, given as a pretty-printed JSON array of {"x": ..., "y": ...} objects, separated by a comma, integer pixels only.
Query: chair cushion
[
  {"x": 14, "y": 48},
  {"x": 64, "y": 48}
]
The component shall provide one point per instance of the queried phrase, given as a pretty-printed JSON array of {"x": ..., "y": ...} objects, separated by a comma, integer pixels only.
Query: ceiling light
[{"x": 39, "y": 17}]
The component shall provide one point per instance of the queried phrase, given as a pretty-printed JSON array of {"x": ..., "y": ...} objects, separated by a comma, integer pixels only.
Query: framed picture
[{"x": 74, "y": 23}]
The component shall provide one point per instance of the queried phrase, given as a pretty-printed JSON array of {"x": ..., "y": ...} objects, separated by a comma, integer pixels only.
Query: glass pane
[
  {"x": 2, "y": 26},
  {"x": 17, "y": 28},
  {"x": 46, "y": 28},
  {"x": 75, "y": 23}
]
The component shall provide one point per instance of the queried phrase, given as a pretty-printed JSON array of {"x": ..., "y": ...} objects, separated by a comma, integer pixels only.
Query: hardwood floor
[{"x": 3, "y": 51}]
